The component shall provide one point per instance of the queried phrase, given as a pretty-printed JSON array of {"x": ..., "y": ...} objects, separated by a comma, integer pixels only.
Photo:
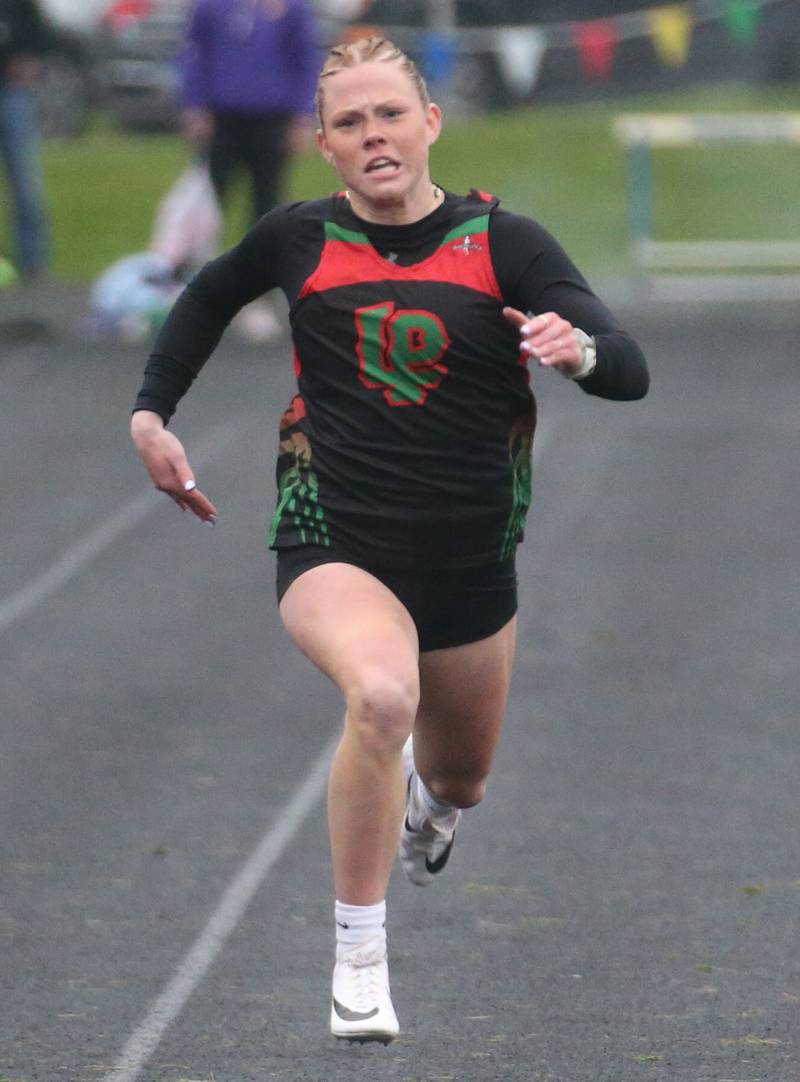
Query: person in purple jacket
[{"x": 249, "y": 71}]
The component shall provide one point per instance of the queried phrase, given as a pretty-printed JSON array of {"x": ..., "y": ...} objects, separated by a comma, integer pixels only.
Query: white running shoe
[
  {"x": 361, "y": 1008},
  {"x": 424, "y": 850}
]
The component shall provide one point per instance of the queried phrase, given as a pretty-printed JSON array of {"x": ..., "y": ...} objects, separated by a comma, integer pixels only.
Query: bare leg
[
  {"x": 357, "y": 632},
  {"x": 464, "y": 691}
]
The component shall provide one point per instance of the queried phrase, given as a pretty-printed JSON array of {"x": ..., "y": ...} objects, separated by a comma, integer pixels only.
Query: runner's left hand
[{"x": 549, "y": 339}]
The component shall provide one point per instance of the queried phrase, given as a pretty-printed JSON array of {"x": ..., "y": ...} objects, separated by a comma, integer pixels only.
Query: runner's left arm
[{"x": 536, "y": 275}]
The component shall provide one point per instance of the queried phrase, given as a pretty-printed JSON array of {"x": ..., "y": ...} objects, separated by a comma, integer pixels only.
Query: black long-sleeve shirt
[{"x": 410, "y": 436}]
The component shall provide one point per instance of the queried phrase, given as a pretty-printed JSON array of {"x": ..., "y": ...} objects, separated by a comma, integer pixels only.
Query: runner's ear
[{"x": 433, "y": 122}]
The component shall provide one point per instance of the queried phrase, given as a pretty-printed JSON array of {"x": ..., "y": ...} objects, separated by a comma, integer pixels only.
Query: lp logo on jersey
[{"x": 400, "y": 352}]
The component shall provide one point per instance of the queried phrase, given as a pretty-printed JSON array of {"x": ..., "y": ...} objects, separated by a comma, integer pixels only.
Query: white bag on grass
[
  {"x": 130, "y": 300},
  {"x": 188, "y": 223}
]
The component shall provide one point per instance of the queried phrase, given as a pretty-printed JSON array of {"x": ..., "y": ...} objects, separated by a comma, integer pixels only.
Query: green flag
[{"x": 741, "y": 19}]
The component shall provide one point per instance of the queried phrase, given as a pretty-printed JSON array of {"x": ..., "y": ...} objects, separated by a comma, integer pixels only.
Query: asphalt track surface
[{"x": 623, "y": 906}]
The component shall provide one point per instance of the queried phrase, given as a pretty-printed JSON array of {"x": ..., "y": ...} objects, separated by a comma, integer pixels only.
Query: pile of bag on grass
[{"x": 130, "y": 300}]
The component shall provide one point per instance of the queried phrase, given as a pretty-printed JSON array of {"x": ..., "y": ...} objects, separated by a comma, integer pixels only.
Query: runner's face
[{"x": 377, "y": 135}]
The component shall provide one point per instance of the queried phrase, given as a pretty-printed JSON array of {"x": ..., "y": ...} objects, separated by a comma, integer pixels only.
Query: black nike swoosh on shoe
[
  {"x": 435, "y": 866},
  {"x": 347, "y": 1015},
  {"x": 342, "y": 924}
]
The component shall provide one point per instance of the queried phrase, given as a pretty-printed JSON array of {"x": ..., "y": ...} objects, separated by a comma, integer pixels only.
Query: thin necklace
[{"x": 437, "y": 194}]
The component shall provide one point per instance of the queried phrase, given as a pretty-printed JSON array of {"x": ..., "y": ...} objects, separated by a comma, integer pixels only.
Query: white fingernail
[
  {"x": 207, "y": 522},
  {"x": 189, "y": 485},
  {"x": 526, "y": 329}
]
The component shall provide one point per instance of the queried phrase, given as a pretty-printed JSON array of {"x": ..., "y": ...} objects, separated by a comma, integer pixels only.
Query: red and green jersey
[
  {"x": 409, "y": 439},
  {"x": 411, "y": 391}
]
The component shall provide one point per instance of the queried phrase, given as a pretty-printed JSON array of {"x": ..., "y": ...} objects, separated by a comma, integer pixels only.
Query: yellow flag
[{"x": 671, "y": 29}]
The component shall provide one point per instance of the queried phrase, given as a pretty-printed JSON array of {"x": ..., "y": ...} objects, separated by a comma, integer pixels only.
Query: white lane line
[
  {"x": 77, "y": 556},
  {"x": 238, "y": 896},
  {"x": 166, "y": 1008},
  {"x": 147, "y": 1036}
]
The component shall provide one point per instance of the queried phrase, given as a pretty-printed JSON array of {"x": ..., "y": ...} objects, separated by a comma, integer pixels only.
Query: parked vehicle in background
[
  {"x": 80, "y": 16},
  {"x": 139, "y": 43}
]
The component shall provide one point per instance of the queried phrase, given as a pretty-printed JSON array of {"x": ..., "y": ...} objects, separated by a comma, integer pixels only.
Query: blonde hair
[{"x": 374, "y": 48}]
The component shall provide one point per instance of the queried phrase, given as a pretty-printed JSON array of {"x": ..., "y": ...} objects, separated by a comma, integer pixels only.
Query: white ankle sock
[
  {"x": 357, "y": 923},
  {"x": 424, "y": 805}
]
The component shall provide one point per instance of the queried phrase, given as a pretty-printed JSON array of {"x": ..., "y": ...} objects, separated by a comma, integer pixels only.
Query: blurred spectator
[
  {"x": 24, "y": 37},
  {"x": 249, "y": 75}
]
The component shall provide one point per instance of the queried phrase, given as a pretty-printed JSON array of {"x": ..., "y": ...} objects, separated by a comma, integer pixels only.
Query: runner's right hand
[{"x": 166, "y": 463}]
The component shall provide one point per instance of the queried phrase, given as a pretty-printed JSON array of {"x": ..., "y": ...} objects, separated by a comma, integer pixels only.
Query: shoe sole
[
  {"x": 351, "y": 1031},
  {"x": 366, "y": 1038}
]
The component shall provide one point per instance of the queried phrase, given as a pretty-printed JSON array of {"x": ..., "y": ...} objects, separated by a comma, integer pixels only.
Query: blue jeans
[{"x": 19, "y": 146}]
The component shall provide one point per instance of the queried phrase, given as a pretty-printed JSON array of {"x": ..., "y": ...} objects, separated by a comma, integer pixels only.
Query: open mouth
[{"x": 382, "y": 165}]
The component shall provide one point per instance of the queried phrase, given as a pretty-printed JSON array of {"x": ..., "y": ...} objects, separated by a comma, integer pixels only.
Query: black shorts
[{"x": 450, "y": 607}]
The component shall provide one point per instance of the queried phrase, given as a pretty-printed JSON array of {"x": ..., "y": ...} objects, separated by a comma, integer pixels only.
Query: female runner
[{"x": 403, "y": 470}]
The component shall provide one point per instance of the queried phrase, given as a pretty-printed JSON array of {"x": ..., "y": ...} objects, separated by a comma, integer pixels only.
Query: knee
[
  {"x": 464, "y": 791},
  {"x": 381, "y": 708}
]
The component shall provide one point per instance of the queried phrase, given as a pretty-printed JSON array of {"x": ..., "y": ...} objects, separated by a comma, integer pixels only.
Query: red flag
[
  {"x": 352, "y": 34},
  {"x": 597, "y": 42}
]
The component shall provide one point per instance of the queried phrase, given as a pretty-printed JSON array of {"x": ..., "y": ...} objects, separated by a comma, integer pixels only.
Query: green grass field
[{"x": 560, "y": 164}]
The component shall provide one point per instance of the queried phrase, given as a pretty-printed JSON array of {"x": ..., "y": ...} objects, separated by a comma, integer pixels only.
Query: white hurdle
[{"x": 640, "y": 133}]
